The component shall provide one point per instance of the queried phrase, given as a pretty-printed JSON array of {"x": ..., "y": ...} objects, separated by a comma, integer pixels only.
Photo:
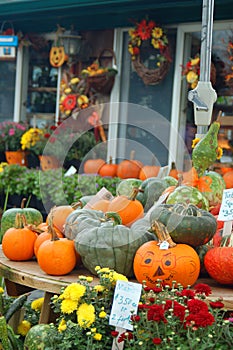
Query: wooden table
[{"x": 21, "y": 277}]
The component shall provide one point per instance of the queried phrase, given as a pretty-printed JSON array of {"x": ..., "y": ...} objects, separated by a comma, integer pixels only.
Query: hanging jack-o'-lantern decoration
[
  {"x": 177, "y": 262},
  {"x": 57, "y": 56}
]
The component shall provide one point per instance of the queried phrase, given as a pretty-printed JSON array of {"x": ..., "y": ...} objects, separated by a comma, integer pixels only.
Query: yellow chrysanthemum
[
  {"x": 23, "y": 327},
  {"x": 99, "y": 288},
  {"x": 37, "y": 304},
  {"x": 118, "y": 276},
  {"x": 191, "y": 77},
  {"x": 31, "y": 137},
  {"x": 195, "y": 141},
  {"x": 74, "y": 291},
  {"x": 89, "y": 279},
  {"x": 1, "y": 290},
  {"x": 86, "y": 315},
  {"x": 62, "y": 326},
  {"x": 68, "y": 306},
  {"x": 102, "y": 314},
  {"x": 157, "y": 32},
  {"x": 97, "y": 336}
]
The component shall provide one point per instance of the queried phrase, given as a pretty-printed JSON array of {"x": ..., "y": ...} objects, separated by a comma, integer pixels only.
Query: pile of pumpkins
[{"x": 152, "y": 228}]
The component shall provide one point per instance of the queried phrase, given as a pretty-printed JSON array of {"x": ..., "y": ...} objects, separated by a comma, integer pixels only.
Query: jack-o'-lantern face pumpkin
[
  {"x": 180, "y": 263},
  {"x": 57, "y": 56}
]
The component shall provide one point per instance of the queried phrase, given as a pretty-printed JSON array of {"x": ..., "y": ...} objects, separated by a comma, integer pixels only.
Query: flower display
[
  {"x": 192, "y": 71},
  {"x": 10, "y": 135},
  {"x": 72, "y": 96},
  {"x": 149, "y": 30}
]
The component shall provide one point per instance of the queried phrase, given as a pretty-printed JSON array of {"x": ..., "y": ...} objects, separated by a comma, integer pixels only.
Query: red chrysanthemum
[
  {"x": 114, "y": 334},
  {"x": 156, "y": 313},
  {"x": 178, "y": 309},
  {"x": 154, "y": 289},
  {"x": 216, "y": 304},
  {"x": 135, "y": 318},
  {"x": 202, "y": 288},
  {"x": 201, "y": 319},
  {"x": 195, "y": 306},
  {"x": 187, "y": 293},
  {"x": 47, "y": 135},
  {"x": 157, "y": 341}
]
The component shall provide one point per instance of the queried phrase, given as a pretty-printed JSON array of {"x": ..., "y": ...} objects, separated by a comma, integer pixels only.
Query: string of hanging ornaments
[{"x": 147, "y": 35}]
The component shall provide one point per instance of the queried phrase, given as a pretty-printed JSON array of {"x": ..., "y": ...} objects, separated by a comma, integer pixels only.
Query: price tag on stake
[{"x": 226, "y": 211}]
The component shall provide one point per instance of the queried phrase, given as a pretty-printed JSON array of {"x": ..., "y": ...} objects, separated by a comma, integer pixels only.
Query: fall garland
[{"x": 144, "y": 31}]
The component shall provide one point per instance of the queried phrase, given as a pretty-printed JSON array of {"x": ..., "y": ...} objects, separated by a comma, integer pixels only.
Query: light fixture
[{"x": 72, "y": 42}]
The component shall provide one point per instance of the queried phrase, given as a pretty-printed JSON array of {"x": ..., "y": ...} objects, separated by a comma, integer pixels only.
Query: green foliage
[{"x": 52, "y": 185}]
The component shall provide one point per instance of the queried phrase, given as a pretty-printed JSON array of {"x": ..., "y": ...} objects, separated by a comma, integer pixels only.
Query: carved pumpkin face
[
  {"x": 57, "y": 56},
  {"x": 180, "y": 263}
]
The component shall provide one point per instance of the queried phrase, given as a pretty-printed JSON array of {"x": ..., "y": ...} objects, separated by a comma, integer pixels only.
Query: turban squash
[
  {"x": 186, "y": 223},
  {"x": 102, "y": 241}
]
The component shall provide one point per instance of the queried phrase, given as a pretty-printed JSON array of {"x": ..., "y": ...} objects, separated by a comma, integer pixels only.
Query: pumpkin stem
[
  {"x": 19, "y": 221},
  {"x": 134, "y": 193},
  {"x": 54, "y": 236},
  {"x": 160, "y": 230},
  {"x": 116, "y": 217},
  {"x": 22, "y": 206}
]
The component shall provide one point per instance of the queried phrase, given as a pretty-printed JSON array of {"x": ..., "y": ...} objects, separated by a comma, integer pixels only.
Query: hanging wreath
[{"x": 149, "y": 31}]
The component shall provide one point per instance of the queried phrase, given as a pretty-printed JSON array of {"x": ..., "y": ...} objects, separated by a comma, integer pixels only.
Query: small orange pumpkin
[
  {"x": 18, "y": 242},
  {"x": 57, "y": 256},
  {"x": 92, "y": 166},
  {"x": 228, "y": 178},
  {"x": 108, "y": 169},
  {"x": 149, "y": 171},
  {"x": 173, "y": 171},
  {"x": 179, "y": 262},
  {"x": 128, "y": 208}
]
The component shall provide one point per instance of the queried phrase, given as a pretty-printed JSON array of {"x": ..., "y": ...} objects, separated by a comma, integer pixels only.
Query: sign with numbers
[
  {"x": 125, "y": 304},
  {"x": 226, "y": 210}
]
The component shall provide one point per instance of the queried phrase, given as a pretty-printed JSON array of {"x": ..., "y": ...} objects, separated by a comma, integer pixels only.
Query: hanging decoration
[
  {"x": 191, "y": 71},
  {"x": 8, "y": 41},
  {"x": 149, "y": 31},
  {"x": 57, "y": 55}
]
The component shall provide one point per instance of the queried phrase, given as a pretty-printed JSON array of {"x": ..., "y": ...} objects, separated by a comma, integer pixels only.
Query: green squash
[
  {"x": 40, "y": 337},
  {"x": 32, "y": 215},
  {"x": 213, "y": 188},
  {"x": 170, "y": 181},
  {"x": 188, "y": 194},
  {"x": 104, "y": 242},
  {"x": 151, "y": 190},
  {"x": 186, "y": 223},
  {"x": 126, "y": 186}
]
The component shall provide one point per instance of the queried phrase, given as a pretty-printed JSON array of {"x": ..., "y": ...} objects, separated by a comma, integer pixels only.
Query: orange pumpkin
[
  {"x": 108, "y": 169},
  {"x": 92, "y": 166},
  {"x": 149, "y": 171},
  {"x": 128, "y": 208},
  {"x": 102, "y": 204},
  {"x": 180, "y": 263},
  {"x": 173, "y": 171},
  {"x": 18, "y": 242},
  {"x": 228, "y": 178},
  {"x": 57, "y": 256},
  {"x": 175, "y": 262},
  {"x": 44, "y": 236},
  {"x": 59, "y": 215}
]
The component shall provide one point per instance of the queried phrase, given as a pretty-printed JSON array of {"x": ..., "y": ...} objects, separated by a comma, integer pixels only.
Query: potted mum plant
[{"x": 10, "y": 137}]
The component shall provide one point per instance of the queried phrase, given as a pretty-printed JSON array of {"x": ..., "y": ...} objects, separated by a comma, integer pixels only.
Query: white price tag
[
  {"x": 125, "y": 303},
  {"x": 164, "y": 245},
  {"x": 226, "y": 209}
]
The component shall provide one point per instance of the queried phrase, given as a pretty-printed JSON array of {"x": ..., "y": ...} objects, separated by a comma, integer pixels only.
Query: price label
[
  {"x": 125, "y": 304},
  {"x": 226, "y": 210}
]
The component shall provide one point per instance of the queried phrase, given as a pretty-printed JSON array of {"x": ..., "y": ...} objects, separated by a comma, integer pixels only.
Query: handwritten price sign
[
  {"x": 125, "y": 303},
  {"x": 226, "y": 210}
]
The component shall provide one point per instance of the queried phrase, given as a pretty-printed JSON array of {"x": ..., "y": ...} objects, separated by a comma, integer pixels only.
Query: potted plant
[{"x": 10, "y": 137}]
